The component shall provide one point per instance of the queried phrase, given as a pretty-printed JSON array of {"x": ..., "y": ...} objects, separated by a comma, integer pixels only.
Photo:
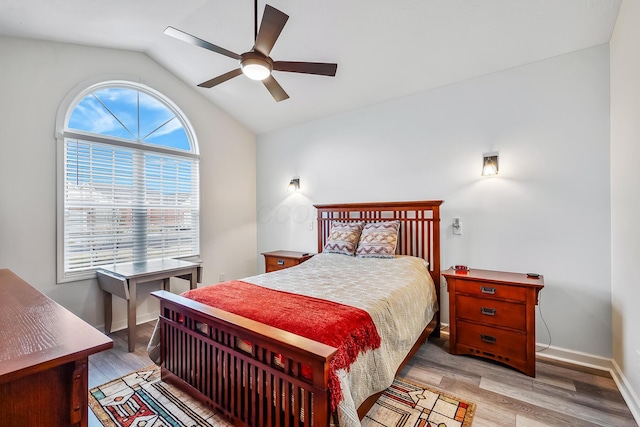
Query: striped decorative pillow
[
  {"x": 378, "y": 240},
  {"x": 343, "y": 237}
]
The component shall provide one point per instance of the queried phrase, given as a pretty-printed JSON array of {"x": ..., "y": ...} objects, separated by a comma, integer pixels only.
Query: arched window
[{"x": 128, "y": 180}]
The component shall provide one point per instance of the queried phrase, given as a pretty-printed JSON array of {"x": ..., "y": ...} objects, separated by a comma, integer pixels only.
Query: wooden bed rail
[{"x": 228, "y": 352}]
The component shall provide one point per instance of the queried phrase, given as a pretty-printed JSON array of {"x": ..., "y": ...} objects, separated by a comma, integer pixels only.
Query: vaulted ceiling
[{"x": 385, "y": 49}]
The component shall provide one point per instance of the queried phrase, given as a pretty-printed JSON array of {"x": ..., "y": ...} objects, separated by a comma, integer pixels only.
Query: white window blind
[
  {"x": 124, "y": 204},
  {"x": 128, "y": 180}
]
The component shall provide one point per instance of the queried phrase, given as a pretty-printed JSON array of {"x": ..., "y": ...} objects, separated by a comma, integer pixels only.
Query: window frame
[{"x": 62, "y": 133}]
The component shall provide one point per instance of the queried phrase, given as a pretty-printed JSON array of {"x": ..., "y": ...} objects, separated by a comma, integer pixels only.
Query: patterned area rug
[
  {"x": 141, "y": 399},
  {"x": 410, "y": 405}
]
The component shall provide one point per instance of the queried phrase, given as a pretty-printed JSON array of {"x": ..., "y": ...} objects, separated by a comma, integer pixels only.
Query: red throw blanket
[{"x": 346, "y": 328}]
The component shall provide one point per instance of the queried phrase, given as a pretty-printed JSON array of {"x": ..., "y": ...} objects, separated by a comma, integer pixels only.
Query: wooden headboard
[{"x": 419, "y": 227}]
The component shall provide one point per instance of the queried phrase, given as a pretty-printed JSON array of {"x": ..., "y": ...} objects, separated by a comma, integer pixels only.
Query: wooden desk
[
  {"x": 122, "y": 279},
  {"x": 44, "y": 354}
]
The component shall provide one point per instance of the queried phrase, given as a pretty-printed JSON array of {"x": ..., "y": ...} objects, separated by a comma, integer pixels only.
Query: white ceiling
[{"x": 385, "y": 49}]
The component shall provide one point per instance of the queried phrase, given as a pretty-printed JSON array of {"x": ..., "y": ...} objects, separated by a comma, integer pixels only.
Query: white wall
[
  {"x": 547, "y": 212},
  {"x": 35, "y": 77},
  {"x": 625, "y": 193}
]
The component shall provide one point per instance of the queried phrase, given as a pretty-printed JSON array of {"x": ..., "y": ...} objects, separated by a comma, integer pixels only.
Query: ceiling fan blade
[
  {"x": 270, "y": 28},
  {"x": 186, "y": 37},
  {"x": 321, "y": 68},
  {"x": 221, "y": 78},
  {"x": 275, "y": 89}
]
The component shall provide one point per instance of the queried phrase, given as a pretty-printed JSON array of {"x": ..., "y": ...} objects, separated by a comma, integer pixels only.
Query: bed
[{"x": 258, "y": 375}]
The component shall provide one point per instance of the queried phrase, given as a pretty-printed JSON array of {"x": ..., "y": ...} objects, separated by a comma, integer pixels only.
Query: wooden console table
[
  {"x": 44, "y": 355},
  {"x": 121, "y": 280}
]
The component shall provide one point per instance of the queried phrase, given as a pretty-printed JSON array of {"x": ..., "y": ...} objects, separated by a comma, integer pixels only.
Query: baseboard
[
  {"x": 574, "y": 357},
  {"x": 122, "y": 324},
  {"x": 629, "y": 396}
]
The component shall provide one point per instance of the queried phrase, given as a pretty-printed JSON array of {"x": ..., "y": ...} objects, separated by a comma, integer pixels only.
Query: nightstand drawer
[
  {"x": 274, "y": 263},
  {"x": 493, "y": 340},
  {"x": 279, "y": 260},
  {"x": 491, "y": 290},
  {"x": 491, "y": 311}
]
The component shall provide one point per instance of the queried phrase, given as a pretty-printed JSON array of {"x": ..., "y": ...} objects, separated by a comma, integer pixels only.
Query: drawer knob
[
  {"x": 488, "y": 338},
  {"x": 486, "y": 290},
  {"x": 488, "y": 311},
  {"x": 280, "y": 262}
]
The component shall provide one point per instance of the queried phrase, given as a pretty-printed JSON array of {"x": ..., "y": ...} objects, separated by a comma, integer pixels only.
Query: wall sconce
[
  {"x": 490, "y": 164},
  {"x": 294, "y": 185}
]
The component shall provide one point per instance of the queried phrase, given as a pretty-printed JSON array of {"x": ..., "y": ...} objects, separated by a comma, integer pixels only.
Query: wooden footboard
[
  {"x": 204, "y": 353},
  {"x": 248, "y": 372}
]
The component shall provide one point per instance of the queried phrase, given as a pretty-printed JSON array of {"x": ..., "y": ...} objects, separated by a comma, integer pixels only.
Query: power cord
[{"x": 545, "y": 324}]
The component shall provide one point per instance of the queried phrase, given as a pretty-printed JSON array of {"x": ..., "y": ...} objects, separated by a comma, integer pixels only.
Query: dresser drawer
[
  {"x": 491, "y": 290},
  {"x": 491, "y": 311},
  {"x": 492, "y": 340}
]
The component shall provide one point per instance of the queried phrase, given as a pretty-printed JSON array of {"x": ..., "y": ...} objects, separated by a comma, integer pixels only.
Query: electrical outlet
[{"x": 222, "y": 277}]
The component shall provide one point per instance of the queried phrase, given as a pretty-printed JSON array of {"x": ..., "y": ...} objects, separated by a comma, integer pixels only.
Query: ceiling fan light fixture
[
  {"x": 255, "y": 71},
  {"x": 255, "y": 67}
]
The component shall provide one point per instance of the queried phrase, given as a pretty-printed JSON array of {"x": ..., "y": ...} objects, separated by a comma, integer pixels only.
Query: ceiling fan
[{"x": 256, "y": 63}]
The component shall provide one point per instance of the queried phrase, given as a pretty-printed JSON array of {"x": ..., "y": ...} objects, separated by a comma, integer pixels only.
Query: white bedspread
[{"x": 398, "y": 294}]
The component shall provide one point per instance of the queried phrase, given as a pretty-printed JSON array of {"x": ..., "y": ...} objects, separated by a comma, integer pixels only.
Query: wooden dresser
[
  {"x": 44, "y": 351},
  {"x": 279, "y": 260},
  {"x": 492, "y": 315}
]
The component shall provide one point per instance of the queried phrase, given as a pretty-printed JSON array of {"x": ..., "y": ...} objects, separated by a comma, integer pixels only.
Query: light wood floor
[{"x": 561, "y": 394}]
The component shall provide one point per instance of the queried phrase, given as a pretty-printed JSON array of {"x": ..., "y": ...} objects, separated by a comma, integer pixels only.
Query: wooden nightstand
[
  {"x": 492, "y": 315},
  {"x": 279, "y": 260}
]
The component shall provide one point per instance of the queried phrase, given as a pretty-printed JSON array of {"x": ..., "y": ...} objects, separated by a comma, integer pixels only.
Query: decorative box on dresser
[
  {"x": 44, "y": 351},
  {"x": 279, "y": 260},
  {"x": 492, "y": 315}
]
